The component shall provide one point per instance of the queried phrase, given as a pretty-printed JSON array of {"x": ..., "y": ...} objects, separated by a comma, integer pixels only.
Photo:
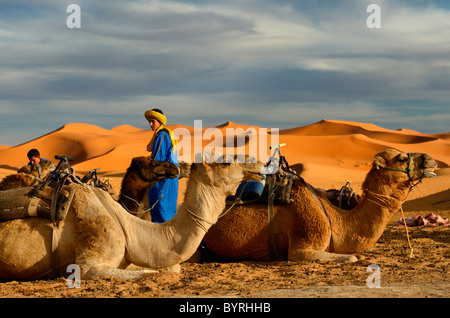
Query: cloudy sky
[{"x": 269, "y": 63}]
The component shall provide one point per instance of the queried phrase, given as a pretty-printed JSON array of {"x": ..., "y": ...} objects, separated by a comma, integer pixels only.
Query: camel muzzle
[{"x": 429, "y": 165}]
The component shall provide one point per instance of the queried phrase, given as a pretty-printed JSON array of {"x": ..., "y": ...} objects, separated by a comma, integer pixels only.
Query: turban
[{"x": 151, "y": 114}]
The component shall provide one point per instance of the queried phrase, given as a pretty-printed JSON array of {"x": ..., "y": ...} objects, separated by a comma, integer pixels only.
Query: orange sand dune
[
  {"x": 79, "y": 141},
  {"x": 332, "y": 151},
  {"x": 331, "y": 128}
]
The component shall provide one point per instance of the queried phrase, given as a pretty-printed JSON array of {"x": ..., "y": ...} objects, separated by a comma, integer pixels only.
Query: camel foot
[
  {"x": 313, "y": 255},
  {"x": 346, "y": 258},
  {"x": 171, "y": 269},
  {"x": 102, "y": 270}
]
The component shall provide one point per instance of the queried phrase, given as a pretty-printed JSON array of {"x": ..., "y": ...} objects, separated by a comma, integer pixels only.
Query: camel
[
  {"x": 27, "y": 176},
  {"x": 103, "y": 239},
  {"x": 311, "y": 227},
  {"x": 137, "y": 181},
  {"x": 139, "y": 177}
]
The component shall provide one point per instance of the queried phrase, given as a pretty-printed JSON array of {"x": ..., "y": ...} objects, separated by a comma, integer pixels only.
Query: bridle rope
[{"x": 383, "y": 199}]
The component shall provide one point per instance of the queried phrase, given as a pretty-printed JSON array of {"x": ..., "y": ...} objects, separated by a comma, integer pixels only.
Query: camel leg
[
  {"x": 102, "y": 270},
  {"x": 171, "y": 269},
  {"x": 314, "y": 255}
]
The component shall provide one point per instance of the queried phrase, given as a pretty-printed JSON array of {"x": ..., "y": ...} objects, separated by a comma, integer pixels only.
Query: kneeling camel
[
  {"x": 311, "y": 228},
  {"x": 103, "y": 239}
]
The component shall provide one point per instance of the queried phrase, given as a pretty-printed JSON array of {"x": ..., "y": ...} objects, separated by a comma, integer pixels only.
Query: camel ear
[
  {"x": 379, "y": 161},
  {"x": 134, "y": 163}
]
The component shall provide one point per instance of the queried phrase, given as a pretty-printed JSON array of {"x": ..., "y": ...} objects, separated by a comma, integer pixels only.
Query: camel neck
[
  {"x": 384, "y": 201},
  {"x": 378, "y": 205},
  {"x": 203, "y": 204},
  {"x": 366, "y": 222},
  {"x": 162, "y": 245}
]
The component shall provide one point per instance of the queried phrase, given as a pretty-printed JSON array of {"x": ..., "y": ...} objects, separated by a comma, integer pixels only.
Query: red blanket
[{"x": 429, "y": 219}]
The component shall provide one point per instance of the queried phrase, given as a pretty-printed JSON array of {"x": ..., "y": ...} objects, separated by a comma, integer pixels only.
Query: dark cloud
[{"x": 214, "y": 60}]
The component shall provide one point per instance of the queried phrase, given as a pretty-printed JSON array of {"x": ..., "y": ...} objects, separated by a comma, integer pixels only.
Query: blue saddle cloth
[{"x": 251, "y": 191}]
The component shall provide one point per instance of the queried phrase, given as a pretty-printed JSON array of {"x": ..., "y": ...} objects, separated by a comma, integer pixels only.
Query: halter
[{"x": 407, "y": 170}]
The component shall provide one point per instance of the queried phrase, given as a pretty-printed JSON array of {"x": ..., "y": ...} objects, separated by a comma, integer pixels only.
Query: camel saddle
[
  {"x": 33, "y": 202},
  {"x": 278, "y": 184}
]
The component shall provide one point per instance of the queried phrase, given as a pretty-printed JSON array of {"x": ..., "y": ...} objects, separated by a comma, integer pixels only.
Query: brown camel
[
  {"x": 139, "y": 177},
  {"x": 135, "y": 185},
  {"x": 27, "y": 176},
  {"x": 103, "y": 239},
  {"x": 312, "y": 228}
]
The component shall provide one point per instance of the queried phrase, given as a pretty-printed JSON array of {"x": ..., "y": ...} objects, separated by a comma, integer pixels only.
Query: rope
[
  {"x": 198, "y": 219},
  {"x": 140, "y": 205},
  {"x": 384, "y": 200},
  {"x": 385, "y": 204},
  {"x": 236, "y": 200},
  {"x": 411, "y": 254}
]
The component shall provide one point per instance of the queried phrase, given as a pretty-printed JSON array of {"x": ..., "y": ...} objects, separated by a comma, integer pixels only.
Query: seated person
[
  {"x": 35, "y": 157},
  {"x": 35, "y": 160}
]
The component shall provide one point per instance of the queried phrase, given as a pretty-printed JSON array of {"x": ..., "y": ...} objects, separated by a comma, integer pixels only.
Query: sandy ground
[{"x": 426, "y": 275}]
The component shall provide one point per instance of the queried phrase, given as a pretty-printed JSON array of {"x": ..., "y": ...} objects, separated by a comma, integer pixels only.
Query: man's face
[
  {"x": 154, "y": 124},
  {"x": 35, "y": 160}
]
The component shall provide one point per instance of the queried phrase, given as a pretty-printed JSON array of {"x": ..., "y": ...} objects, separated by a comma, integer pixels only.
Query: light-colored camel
[
  {"x": 103, "y": 239},
  {"x": 308, "y": 230},
  {"x": 27, "y": 176}
]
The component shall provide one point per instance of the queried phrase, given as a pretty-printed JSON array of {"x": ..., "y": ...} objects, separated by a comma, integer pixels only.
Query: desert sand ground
[{"x": 331, "y": 152}]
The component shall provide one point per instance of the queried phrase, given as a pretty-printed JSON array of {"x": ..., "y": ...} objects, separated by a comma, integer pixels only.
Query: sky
[{"x": 266, "y": 63}]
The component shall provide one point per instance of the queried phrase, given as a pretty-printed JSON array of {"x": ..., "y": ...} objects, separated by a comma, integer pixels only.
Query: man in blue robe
[{"x": 162, "y": 198}]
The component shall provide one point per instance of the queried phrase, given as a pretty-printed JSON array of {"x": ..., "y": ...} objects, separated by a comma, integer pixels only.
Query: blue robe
[{"x": 165, "y": 192}]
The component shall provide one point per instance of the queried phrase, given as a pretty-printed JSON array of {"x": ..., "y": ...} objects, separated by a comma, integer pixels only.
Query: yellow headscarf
[{"x": 151, "y": 114}]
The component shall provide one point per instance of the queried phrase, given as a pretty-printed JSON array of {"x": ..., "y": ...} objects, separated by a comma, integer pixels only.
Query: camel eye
[{"x": 403, "y": 159}]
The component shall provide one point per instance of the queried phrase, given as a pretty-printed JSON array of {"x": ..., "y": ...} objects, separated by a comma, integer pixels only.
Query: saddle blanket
[{"x": 247, "y": 192}]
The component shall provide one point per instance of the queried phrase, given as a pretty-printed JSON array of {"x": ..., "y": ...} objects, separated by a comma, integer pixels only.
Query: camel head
[
  {"x": 400, "y": 167},
  {"x": 152, "y": 171},
  {"x": 40, "y": 170},
  {"x": 226, "y": 174},
  {"x": 184, "y": 168}
]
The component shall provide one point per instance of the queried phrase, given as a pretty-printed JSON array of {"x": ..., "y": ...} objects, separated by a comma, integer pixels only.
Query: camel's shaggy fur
[{"x": 27, "y": 176}]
